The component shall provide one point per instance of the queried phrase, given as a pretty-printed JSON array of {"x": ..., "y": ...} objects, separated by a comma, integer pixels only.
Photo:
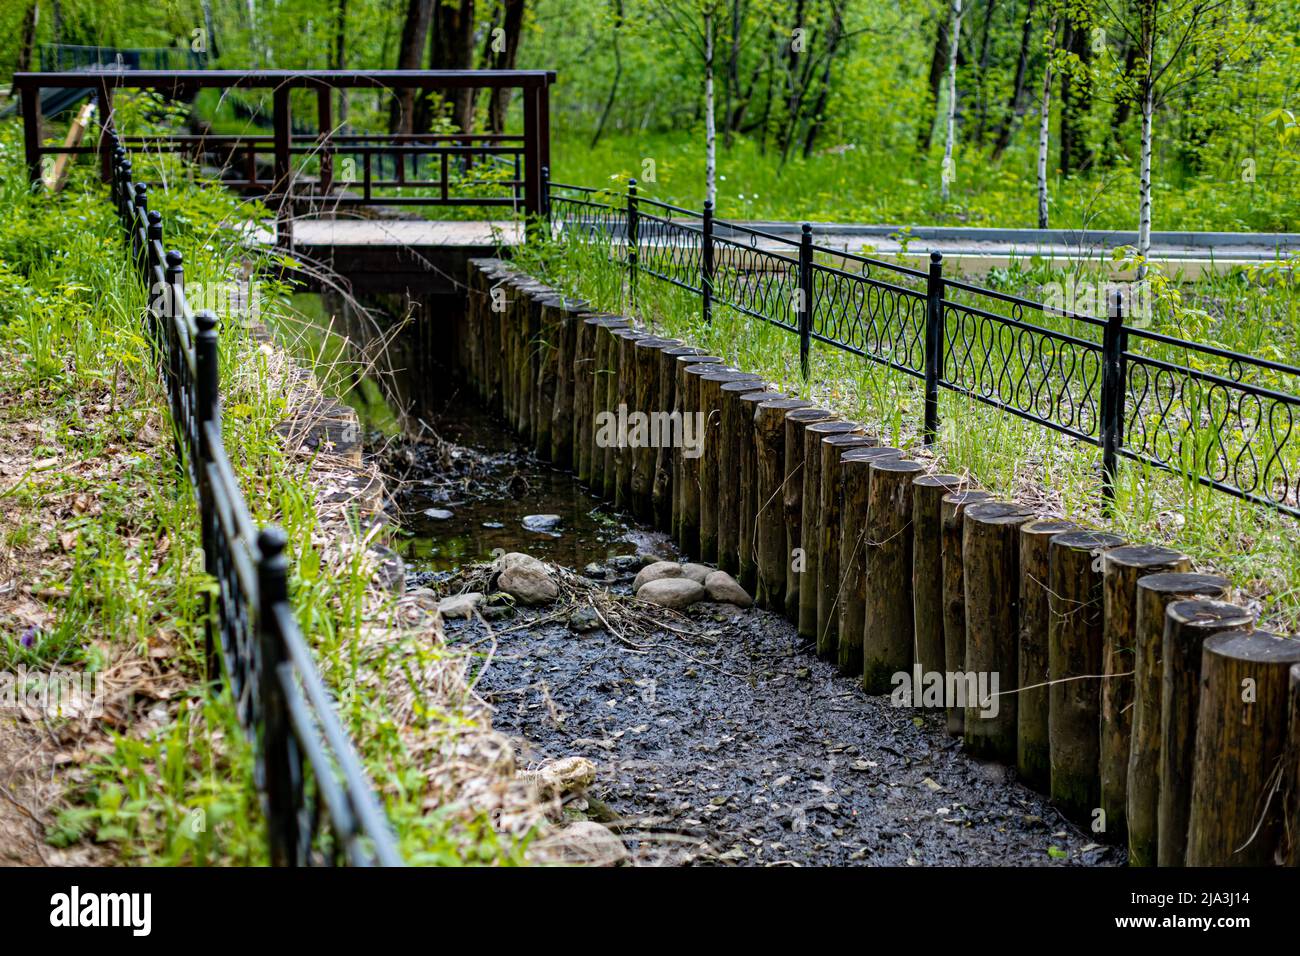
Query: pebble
[
  {"x": 438, "y": 514},
  {"x": 542, "y": 522}
]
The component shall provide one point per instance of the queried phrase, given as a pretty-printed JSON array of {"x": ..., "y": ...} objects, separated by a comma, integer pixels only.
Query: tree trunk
[
  {"x": 1045, "y": 127},
  {"x": 830, "y": 577},
  {"x": 1291, "y": 773},
  {"x": 340, "y": 53},
  {"x": 415, "y": 33},
  {"x": 1188, "y": 624},
  {"x": 938, "y": 61},
  {"x": 1121, "y": 569},
  {"x": 1016, "y": 104},
  {"x": 1074, "y": 661},
  {"x": 982, "y": 107},
  {"x": 888, "y": 637},
  {"x": 1144, "y": 185},
  {"x": 1155, "y": 592},
  {"x": 1241, "y": 730},
  {"x": 1076, "y": 100},
  {"x": 27, "y": 46},
  {"x": 618, "y": 73},
  {"x": 991, "y": 562},
  {"x": 810, "y": 580},
  {"x": 951, "y": 124},
  {"x": 769, "y": 516},
  {"x": 927, "y": 567},
  {"x": 1033, "y": 746},
  {"x": 507, "y": 59},
  {"x": 710, "y": 127},
  {"x": 952, "y": 512}
]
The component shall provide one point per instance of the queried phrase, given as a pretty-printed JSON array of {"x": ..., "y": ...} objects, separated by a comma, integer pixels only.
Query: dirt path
[{"x": 739, "y": 746}]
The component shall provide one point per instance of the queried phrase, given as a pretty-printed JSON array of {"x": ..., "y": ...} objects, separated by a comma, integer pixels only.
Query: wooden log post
[
  {"x": 534, "y": 356},
  {"x": 747, "y": 443},
  {"x": 1188, "y": 625},
  {"x": 661, "y": 488},
  {"x": 716, "y": 441},
  {"x": 547, "y": 383},
  {"x": 1121, "y": 569},
  {"x": 737, "y": 434},
  {"x": 792, "y": 502},
  {"x": 658, "y": 430},
  {"x": 1155, "y": 592},
  {"x": 952, "y": 515},
  {"x": 1033, "y": 752},
  {"x": 855, "y": 481},
  {"x": 927, "y": 566},
  {"x": 810, "y": 580},
  {"x": 668, "y": 463},
  {"x": 889, "y": 634},
  {"x": 625, "y": 406},
  {"x": 688, "y": 523},
  {"x": 584, "y": 364},
  {"x": 1074, "y": 647},
  {"x": 1236, "y": 816},
  {"x": 769, "y": 516},
  {"x": 991, "y": 563},
  {"x": 562, "y": 415},
  {"x": 1291, "y": 772},
  {"x": 496, "y": 309},
  {"x": 830, "y": 576}
]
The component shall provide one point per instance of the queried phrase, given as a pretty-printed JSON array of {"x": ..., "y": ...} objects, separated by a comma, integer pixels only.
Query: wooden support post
[
  {"x": 547, "y": 383},
  {"x": 927, "y": 566},
  {"x": 1121, "y": 569},
  {"x": 991, "y": 563},
  {"x": 583, "y": 362},
  {"x": 830, "y": 575},
  {"x": 1188, "y": 625},
  {"x": 747, "y": 442},
  {"x": 1155, "y": 592},
  {"x": 737, "y": 441},
  {"x": 661, "y": 483},
  {"x": 769, "y": 514},
  {"x": 889, "y": 634},
  {"x": 624, "y": 405},
  {"x": 1033, "y": 752},
  {"x": 1241, "y": 729},
  {"x": 1074, "y": 647},
  {"x": 566, "y": 312},
  {"x": 855, "y": 480},
  {"x": 604, "y": 388},
  {"x": 792, "y": 498},
  {"x": 715, "y": 442},
  {"x": 1291, "y": 773},
  {"x": 810, "y": 580},
  {"x": 658, "y": 427},
  {"x": 952, "y": 512},
  {"x": 594, "y": 384},
  {"x": 689, "y": 384}
]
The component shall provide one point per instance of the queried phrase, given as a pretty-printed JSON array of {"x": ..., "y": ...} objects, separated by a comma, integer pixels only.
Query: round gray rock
[
  {"x": 672, "y": 592},
  {"x": 696, "y": 572},
  {"x": 656, "y": 572},
  {"x": 721, "y": 586}
]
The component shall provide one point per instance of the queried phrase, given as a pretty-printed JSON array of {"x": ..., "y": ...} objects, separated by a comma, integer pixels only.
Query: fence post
[
  {"x": 933, "y": 345},
  {"x": 175, "y": 278},
  {"x": 1112, "y": 393},
  {"x": 804, "y": 298},
  {"x": 633, "y": 239},
  {"x": 546, "y": 199},
  {"x": 141, "y": 213},
  {"x": 706, "y": 262},
  {"x": 31, "y": 106},
  {"x": 207, "y": 410},
  {"x": 276, "y": 745},
  {"x": 157, "y": 293}
]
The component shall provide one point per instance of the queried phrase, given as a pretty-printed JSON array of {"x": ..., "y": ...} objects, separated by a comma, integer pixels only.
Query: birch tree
[
  {"x": 946, "y": 176},
  {"x": 692, "y": 24},
  {"x": 1045, "y": 123}
]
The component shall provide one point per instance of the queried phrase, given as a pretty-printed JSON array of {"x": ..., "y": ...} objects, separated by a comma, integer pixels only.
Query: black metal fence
[
  {"x": 1222, "y": 418},
  {"x": 319, "y": 805}
]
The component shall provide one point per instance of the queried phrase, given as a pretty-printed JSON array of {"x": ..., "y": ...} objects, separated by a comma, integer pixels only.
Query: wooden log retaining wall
[{"x": 1128, "y": 687}]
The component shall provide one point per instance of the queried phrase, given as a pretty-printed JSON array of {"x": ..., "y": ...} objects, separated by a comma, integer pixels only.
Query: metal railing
[
  {"x": 1227, "y": 420},
  {"x": 319, "y": 805},
  {"x": 346, "y": 169}
]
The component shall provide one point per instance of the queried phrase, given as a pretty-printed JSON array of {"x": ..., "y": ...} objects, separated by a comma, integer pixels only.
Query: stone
[
  {"x": 585, "y": 619},
  {"x": 528, "y": 584},
  {"x": 721, "y": 586},
  {"x": 581, "y": 843},
  {"x": 594, "y": 570},
  {"x": 517, "y": 559},
  {"x": 672, "y": 592},
  {"x": 390, "y": 573},
  {"x": 565, "y": 774},
  {"x": 656, "y": 572},
  {"x": 460, "y": 605},
  {"x": 542, "y": 522},
  {"x": 696, "y": 572},
  {"x": 438, "y": 514}
]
